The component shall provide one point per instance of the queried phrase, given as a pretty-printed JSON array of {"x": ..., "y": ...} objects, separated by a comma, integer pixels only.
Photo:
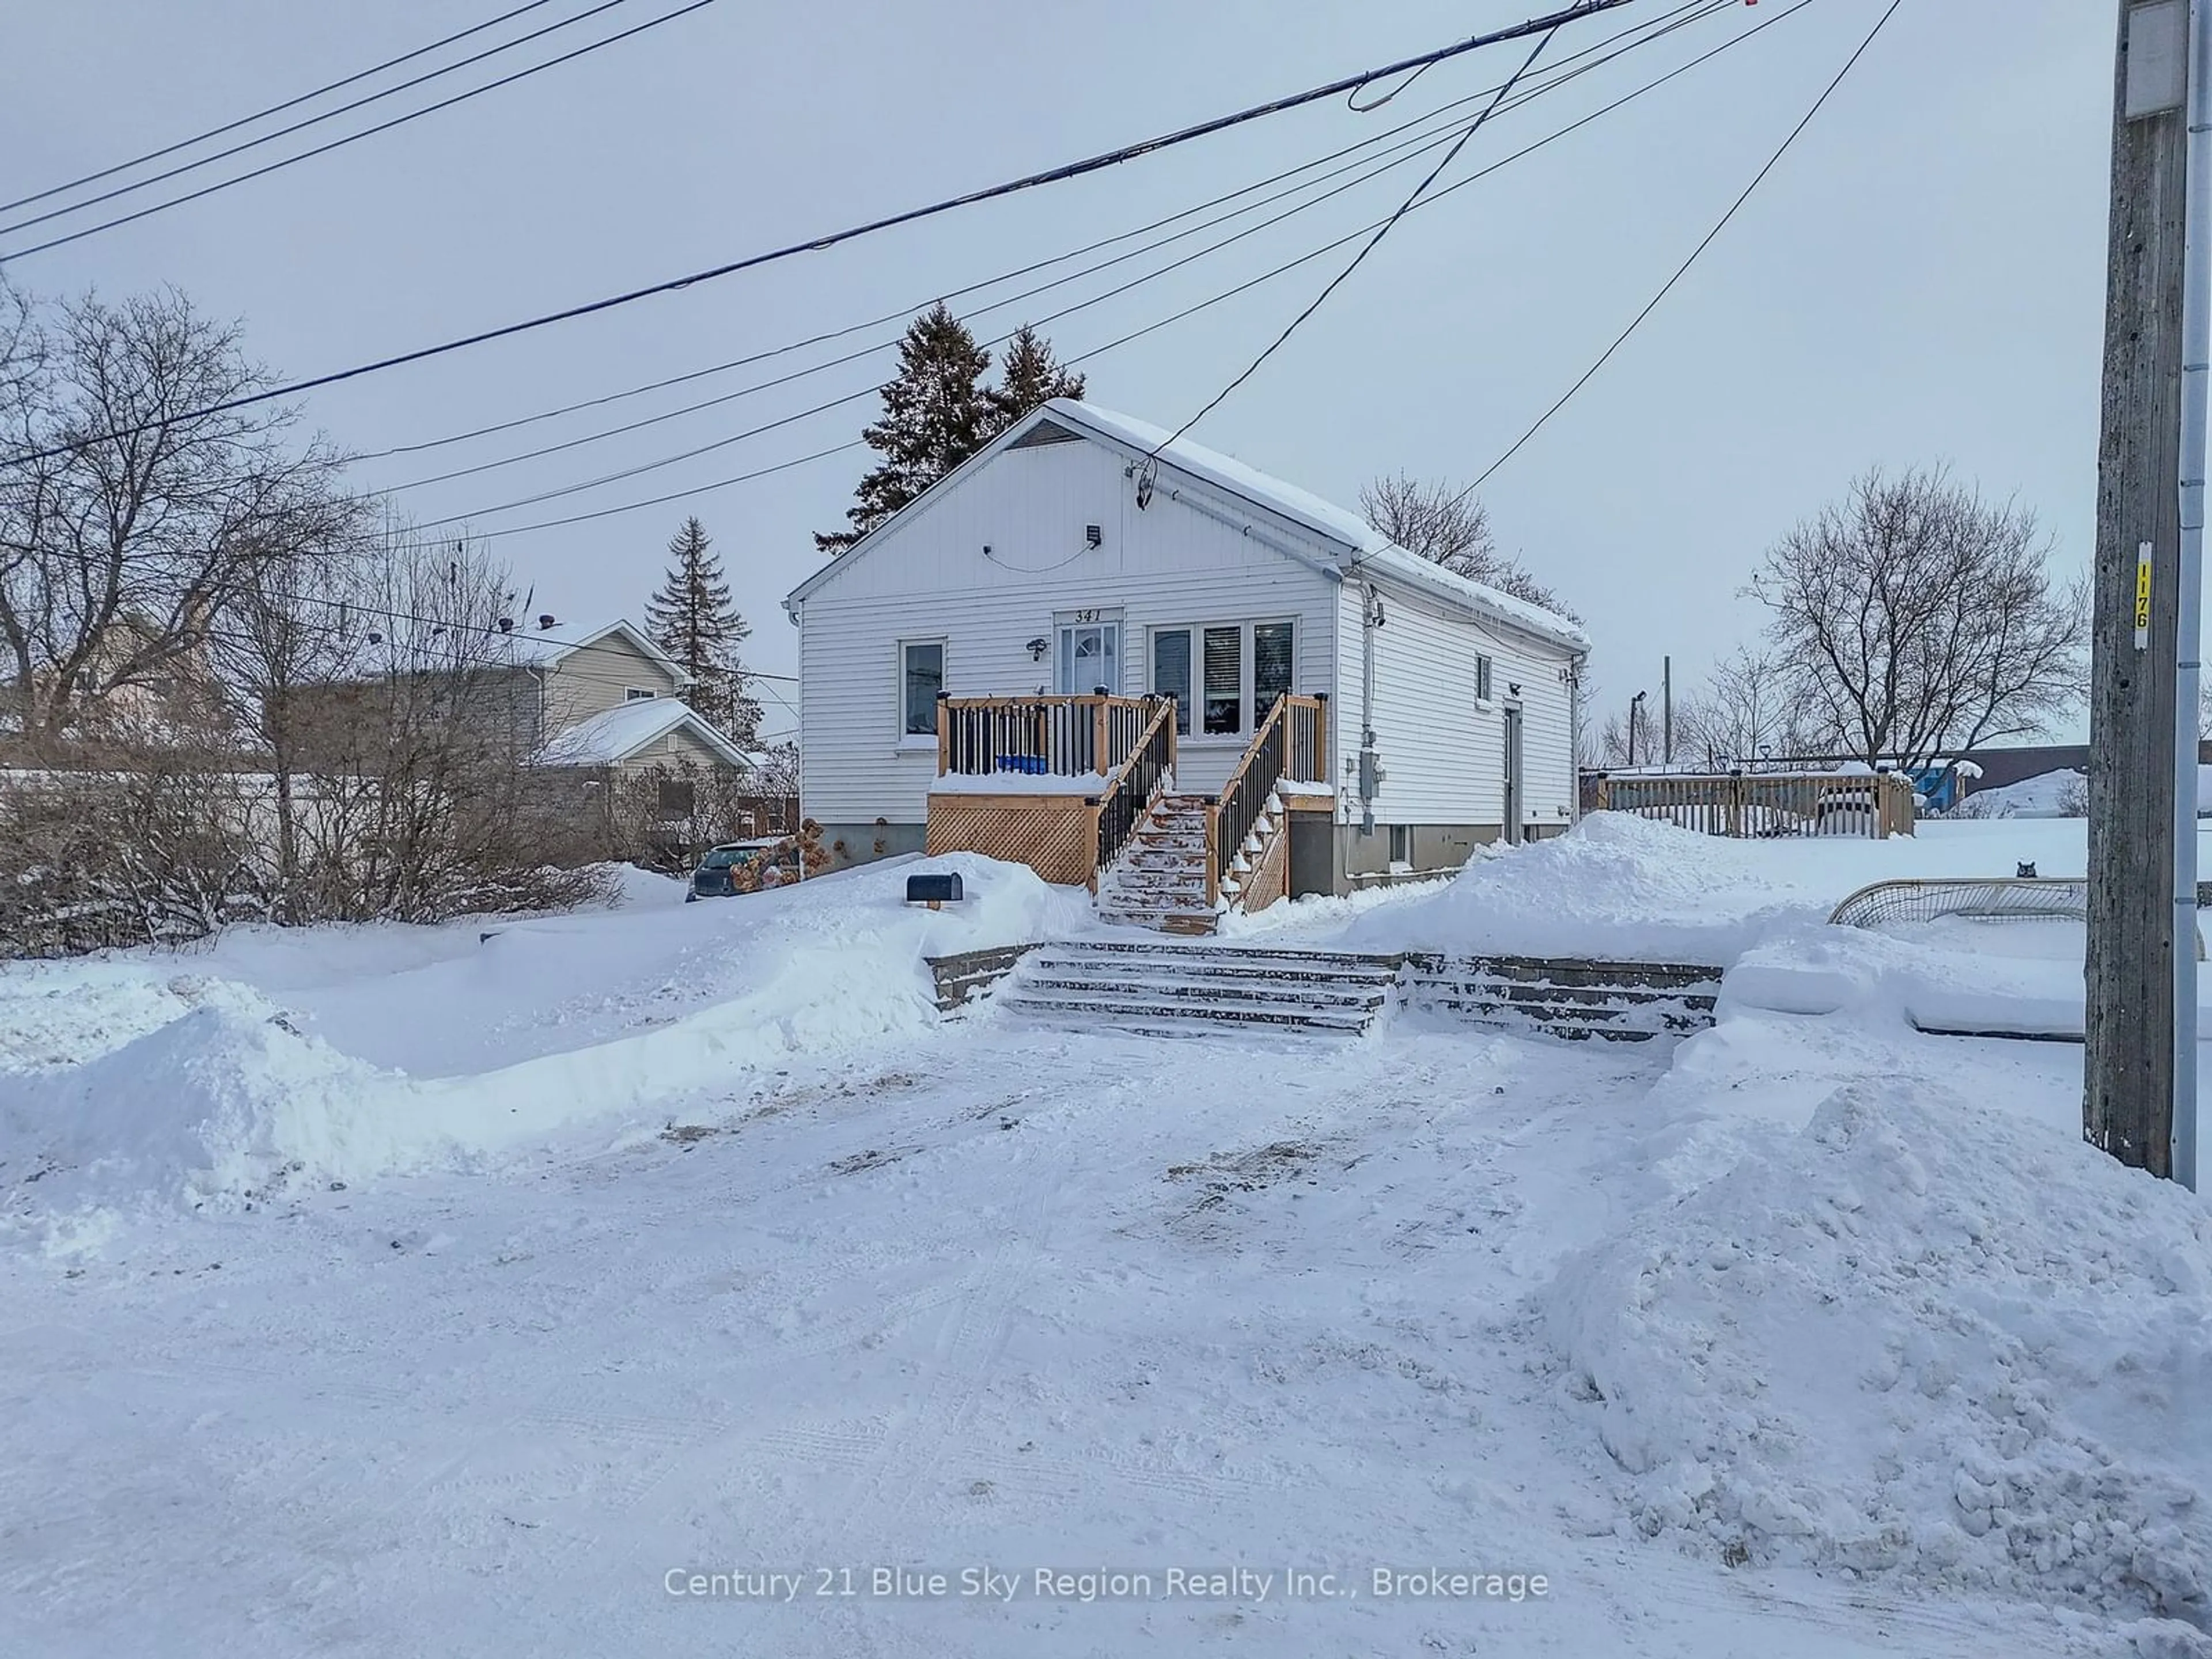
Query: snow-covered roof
[
  {"x": 617, "y": 734},
  {"x": 1360, "y": 548}
]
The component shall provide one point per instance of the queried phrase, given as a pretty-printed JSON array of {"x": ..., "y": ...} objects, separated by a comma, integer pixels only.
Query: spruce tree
[
  {"x": 1028, "y": 376},
  {"x": 935, "y": 416},
  {"x": 694, "y": 621}
]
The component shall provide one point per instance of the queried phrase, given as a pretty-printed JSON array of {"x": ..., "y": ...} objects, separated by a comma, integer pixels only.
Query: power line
[
  {"x": 1654, "y": 30},
  {"x": 274, "y": 109},
  {"x": 1059, "y": 174},
  {"x": 1414, "y": 147},
  {"x": 1683, "y": 270},
  {"x": 340, "y": 143},
  {"x": 1372, "y": 243},
  {"x": 1149, "y": 328},
  {"x": 867, "y": 391}
]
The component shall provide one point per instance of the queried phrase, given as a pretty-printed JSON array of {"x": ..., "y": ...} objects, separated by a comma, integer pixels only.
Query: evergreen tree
[
  {"x": 694, "y": 621},
  {"x": 1028, "y": 376},
  {"x": 935, "y": 416}
]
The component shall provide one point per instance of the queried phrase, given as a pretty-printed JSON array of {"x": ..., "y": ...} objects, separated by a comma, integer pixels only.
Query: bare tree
[
  {"x": 1914, "y": 617},
  {"x": 118, "y": 547},
  {"x": 1748, "y": 709},
  {"x": 1450, "y": 527}
]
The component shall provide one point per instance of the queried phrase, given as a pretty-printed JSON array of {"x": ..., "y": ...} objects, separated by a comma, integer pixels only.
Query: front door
[
  {"x": 1512, "y": 810},
  {"x": 1090, "y": 659}
]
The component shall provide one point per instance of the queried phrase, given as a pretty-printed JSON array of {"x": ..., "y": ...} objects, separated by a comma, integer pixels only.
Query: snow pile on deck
[
  {"x": 122, "y": 1080},
  {"x": 1919, "y": 1335}
]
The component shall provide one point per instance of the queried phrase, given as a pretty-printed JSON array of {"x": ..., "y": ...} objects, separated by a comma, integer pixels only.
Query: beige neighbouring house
[{"x": 607, "y": 697}]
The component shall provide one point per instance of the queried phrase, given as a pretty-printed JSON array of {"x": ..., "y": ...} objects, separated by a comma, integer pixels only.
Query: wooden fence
[{"x": 1775, "y": 804}]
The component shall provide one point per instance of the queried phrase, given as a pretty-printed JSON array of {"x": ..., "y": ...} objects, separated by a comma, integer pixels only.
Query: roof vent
[
  {"x": 1046, "y": 431},
  {"x": 544, "y": 620},
  {"x": 506, "y": 624}
]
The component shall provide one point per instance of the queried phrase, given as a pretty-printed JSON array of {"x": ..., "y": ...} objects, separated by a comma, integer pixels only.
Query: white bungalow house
[{"x": 1087, "y": 647}]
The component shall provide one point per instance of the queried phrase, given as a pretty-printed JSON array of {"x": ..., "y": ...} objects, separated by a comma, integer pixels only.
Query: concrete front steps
[
  {"x": 1566, "y": 997},
  {"x": 1183, "y": 990},
  {"x": 1159, "y": 882}
]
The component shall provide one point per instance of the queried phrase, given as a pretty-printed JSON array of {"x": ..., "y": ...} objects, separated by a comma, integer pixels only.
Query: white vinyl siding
[
  {"x": 598, "y": 677},
  {"x": 1442, "y": 747},
  {"x": 928, "y": 576}
]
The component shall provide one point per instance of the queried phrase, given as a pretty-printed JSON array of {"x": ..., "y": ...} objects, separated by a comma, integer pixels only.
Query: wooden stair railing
[
  {"x": 1135, "y": 785},
  {"x": 1294, "y": 734}
]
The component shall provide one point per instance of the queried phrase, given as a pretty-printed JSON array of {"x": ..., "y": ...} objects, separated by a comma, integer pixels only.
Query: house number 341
[{"x": 1086, "y": 615}]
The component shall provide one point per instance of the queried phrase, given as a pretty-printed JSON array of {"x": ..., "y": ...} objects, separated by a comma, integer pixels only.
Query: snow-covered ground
[{"x": 408, "y": 1291}]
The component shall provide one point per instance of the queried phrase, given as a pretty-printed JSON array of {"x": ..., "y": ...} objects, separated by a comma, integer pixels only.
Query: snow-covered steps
[
  {"x": 1159, "y": 882},
  {"x": 1091, "y": 984},
  {"x": 1567, "y": 997}
]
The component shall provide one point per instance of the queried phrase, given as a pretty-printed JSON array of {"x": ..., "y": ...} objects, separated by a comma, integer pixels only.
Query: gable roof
[
  {"x": 1352, "y": 544},
  {"x": 542, "y": 648},
  {"x": 616, "y": 733}
]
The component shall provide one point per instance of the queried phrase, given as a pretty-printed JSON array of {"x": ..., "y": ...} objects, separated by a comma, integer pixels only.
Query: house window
[
  {"x": 1171, "y": 673},
  {"x": 678, "y": 797},
  {"x": 1089, "y": 657},
  {"x": 921, "y": 677},
  {"x": 637, "y": 694},
  {"x": 1482, "y": 679},
  {"x": 1270, "y": 666},
  {"x": 1242, "y": 668},
  {"x": 1225, "y": 680},
  {"x": 1401, "y": 844}
]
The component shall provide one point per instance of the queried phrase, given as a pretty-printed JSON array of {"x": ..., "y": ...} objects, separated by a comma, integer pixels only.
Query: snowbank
[
  {"x": 1617, "y": 886},
  {"x": 1921, "y": 1336},
  {"x": 121, "y": 1081}
]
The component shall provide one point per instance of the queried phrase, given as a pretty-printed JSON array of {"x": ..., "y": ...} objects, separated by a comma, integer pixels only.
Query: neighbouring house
[
  {"x": 1140, "y": 665},
  {"x": 598, "y": 713},
  {"x": 138, "y": 683}
]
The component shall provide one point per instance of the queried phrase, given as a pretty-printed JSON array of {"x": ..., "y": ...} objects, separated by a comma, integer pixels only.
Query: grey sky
[{"x": 1921, "y": 279}]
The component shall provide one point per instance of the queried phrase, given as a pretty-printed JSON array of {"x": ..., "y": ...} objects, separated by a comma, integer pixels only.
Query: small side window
[
  {"x": 1482, "y": 678},
  {"x": 1401, "y": 844},
  {"x": 922, "y": 676}
]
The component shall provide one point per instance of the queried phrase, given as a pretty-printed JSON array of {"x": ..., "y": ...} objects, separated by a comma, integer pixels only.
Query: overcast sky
[{"x": 1921, "y": 279}]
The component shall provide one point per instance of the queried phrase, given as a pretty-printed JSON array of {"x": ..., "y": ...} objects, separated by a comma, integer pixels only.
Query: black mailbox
[{"x": 934, "y": 890}]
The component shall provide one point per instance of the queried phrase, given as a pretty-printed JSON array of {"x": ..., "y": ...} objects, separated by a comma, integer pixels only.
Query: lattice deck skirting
[{"x": 1057, "y": 836}]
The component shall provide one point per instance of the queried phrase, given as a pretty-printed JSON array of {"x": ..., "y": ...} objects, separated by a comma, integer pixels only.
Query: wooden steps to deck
[{"x": 1160, "y": 882}]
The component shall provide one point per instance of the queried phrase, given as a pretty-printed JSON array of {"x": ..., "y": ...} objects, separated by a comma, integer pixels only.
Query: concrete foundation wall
[{"x": 860, "y": 841}]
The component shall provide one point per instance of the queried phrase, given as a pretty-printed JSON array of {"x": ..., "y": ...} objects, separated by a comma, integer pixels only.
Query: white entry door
[{"x": 1089, "y": 657}]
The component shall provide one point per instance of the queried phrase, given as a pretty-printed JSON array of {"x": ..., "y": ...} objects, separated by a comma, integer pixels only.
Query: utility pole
[
  {"x": 1666, "y": 710},
  {"x": 2140, "y": 956}
]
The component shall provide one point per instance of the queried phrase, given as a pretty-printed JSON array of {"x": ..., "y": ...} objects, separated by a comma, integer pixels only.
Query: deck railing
[
  {"x": 1138, "y": 783},
  {"x": 1291, "y": 742},
  {"x": 1765, "y": 803},
  {"x": 1050, "y": 737}
]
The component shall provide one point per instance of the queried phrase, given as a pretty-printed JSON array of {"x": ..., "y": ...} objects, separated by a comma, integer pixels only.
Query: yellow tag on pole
[{"x": 2142, "y": 597}]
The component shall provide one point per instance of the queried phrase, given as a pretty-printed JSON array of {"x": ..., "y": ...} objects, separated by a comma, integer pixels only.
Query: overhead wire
[
  {"x": 1058, "y": 174},
  {"x": 322, "y": 91},
  {"x": 1414, "y": 147},
  {"x": 1654, "y": 28},
  {"x": 1149, "y": 328},
  {"x": 1683, "y": 270},
  {"x": 864, "y": 393},
  {"x": 340, "y": 142},
  {"x": 1357, "y": 259}
]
